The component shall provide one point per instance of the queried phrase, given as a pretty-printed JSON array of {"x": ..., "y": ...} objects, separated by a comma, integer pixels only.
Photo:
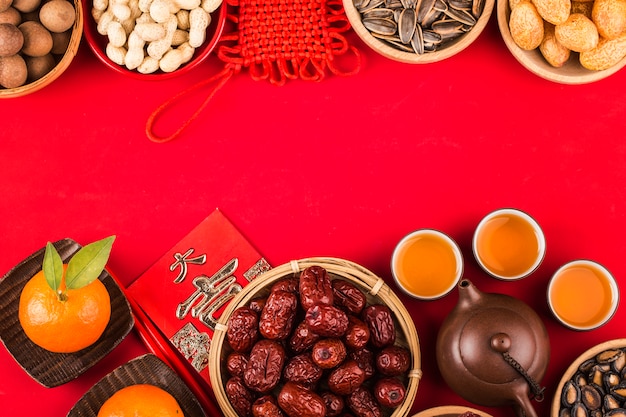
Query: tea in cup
[
  {"x": 509, "y": 244},
  {"x": 427, "y": 264},
  {"x": 583, "y": 295}
]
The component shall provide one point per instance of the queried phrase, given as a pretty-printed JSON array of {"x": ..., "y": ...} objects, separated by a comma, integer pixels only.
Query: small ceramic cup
[
  {"x": 427, "y": 264},
  {"x": 508, "y": 244},
  {"x": 583, "y": 295}
]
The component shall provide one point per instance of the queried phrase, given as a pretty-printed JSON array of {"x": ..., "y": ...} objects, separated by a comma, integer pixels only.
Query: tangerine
[
  {"x": 141, "y": 400},
  {"x": 67, "y": 320}
]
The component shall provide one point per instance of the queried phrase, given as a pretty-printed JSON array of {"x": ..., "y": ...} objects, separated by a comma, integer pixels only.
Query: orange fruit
[
  {"x": 64, "y": 323},
  {"x": 141, "y": 400}
]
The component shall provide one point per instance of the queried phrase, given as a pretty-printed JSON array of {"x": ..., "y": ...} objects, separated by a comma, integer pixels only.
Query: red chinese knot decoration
[{"x": 276, "y": 40}]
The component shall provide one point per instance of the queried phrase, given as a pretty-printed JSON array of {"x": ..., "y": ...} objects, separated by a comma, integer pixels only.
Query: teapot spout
[
  {"x": 523, "y": 406},
  {"x": 469, "y": 295}
]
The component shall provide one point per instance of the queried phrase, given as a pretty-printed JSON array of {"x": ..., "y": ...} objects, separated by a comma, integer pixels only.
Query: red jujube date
[
  {"x": 243, "y": 329},
  {"x": 298, "y": 401},
  {"x": 348, "y": 296},
  {"x": 379, "y": 319},
  {"x": 389, "y": 392},
  {"x": 315, "y": 287},
  {"x": 265, "y": 366},
  {"x": 347, "y": 377},
  {"x": 278, "y": 315},
  {"x": 327, "y": 321}
]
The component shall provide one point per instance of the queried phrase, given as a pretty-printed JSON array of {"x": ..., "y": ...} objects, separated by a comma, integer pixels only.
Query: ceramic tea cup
[
  {"x": 509, "y": 244},
  {"x": 583, "y": 295},
  {"x": 427, "y": 264}
]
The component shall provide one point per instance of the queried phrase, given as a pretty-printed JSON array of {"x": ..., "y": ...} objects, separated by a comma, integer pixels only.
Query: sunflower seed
[
  {"x": 380, "y": 26},
  {"x": 406, "y": 25}
]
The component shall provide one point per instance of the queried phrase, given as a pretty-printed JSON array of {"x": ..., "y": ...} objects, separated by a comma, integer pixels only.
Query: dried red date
[
  {"x": 393, "y": 360},
  {"x": 315, "y": 287},
  {"x": 239, "y": 396},
  {"x": 389, "y": 392},
  {"x": 302, "y": 338},
  {"x": 266, "y": 406},
  {"x": 365, "y": 359},
  {"x": 302, "y": 370},
  {"x": 347, "y": 296},
  {"x": 298, "y": 401},
  {"x": 236, "y": 363},
  {"x": 243, "y": 329},
  {"x": 357, "y": 335},
  {"x": 328, "y": 353},
  {"x": 345, "y": 378},
  {"x": 334, "y": 403},
  {"x": 290, "y": 284},
  {"x": 278, "y": 315},
  {"x": 265, "y": 366},
  {"x": 327, "y": 321},
  {"x": 363, "y": 404},
  {"x": 257, "y": 304},
  {"x": 379, "y": 319}
]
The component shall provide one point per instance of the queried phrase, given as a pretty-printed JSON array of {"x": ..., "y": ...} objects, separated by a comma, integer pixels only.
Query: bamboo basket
[
  {"x": 60, "y": 67},
  {"x": 450, "y": 411},
  {"x": 376, "y": 291}
]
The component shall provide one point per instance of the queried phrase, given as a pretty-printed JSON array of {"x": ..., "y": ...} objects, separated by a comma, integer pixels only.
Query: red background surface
[{"x": 341, "y": 168}]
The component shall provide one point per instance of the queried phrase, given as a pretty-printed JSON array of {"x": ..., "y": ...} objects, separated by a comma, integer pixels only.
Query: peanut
[
  {"x": 150, "y": 32},
  {"x": 116, "y": 54},
  {"x": 526, "y": 25},
  {"x": 134, "y": 55},
  {"x": 159, "y": 47},
  {"x": 198, "y": 21},
  {"x": 116, "y": 34},
  {"x": 210, "y": 6},
  {"x": 555, "y": 53},
  {"x": 148, "y": 66},
  {"x": 553, "y": 11},
  {"x": 578, "y": 33},
  {"x": 609, "y": 17},
  {"x": 608, "y": 53}
]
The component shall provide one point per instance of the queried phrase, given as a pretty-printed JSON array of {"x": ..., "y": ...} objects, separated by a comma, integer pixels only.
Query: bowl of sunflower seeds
[{"x": 418, "y": 31}]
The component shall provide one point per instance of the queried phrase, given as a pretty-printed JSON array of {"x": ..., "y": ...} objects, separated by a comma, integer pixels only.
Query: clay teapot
[{"x": 492, "y": 349}]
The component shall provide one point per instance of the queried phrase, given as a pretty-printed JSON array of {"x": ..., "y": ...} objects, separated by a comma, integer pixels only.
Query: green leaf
[
  {"x": 52, "y": 267},
  {"x": 88, "y": 263}
]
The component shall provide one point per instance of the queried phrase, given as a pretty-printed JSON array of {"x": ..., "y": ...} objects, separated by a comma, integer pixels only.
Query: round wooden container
[
  {"x": 572, "y": 72},
  {"x": 573, "y": 369},
  {"x": 376, "y": 291},
  {"x": 450, "y": 49},
  {"x": 450, "y": 411},
  {"x": 61, "y": 66}
]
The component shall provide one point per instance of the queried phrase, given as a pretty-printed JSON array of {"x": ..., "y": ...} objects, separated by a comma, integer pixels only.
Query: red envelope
[{"x": 186, "y": 290}]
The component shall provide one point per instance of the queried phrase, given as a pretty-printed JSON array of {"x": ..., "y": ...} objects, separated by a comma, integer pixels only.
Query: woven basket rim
[
  {"x": 342, "y": 268},
  {"x": 60, "y": 67}
]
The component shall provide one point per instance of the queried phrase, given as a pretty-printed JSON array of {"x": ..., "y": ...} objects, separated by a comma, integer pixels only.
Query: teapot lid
[{"x": 492, "y": 332}]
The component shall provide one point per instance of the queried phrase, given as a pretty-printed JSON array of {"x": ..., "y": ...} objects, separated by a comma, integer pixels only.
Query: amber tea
[
  {"x": 583, "y": 295},
  {"x": 509, "y": 244},
  {"x": 427, "y": 264}
]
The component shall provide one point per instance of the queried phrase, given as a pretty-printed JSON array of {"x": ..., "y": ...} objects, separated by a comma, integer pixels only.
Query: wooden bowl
[
  {"x": 48, "y": 368},
  {"x": 572, "y": 72},
  {"x": 450, "y": 411},
  {"x": 376, "y": 291},
  {"x": 146, "y": 369},
  {"x": 573, "y": 369},
  {"x": 445, "y": 51},
  {"x": 97, "y": 43},
  {"x": 63, "y": 63}
]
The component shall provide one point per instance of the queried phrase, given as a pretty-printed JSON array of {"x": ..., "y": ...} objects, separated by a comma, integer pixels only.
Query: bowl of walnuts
[
  {"x": 38, "y": 41},
  {"x": 315, "y": 337},
  {"x": 565, "y": 41}
]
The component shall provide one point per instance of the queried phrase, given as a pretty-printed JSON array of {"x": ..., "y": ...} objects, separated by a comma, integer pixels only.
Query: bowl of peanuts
[
  {"x": 566, "y": 41},
  {"x": 38, "y": 42},
  {"x": 418, "y": 31},
  {"x": 153, "y": 39},
  {"x": 315, "y": 337}
]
